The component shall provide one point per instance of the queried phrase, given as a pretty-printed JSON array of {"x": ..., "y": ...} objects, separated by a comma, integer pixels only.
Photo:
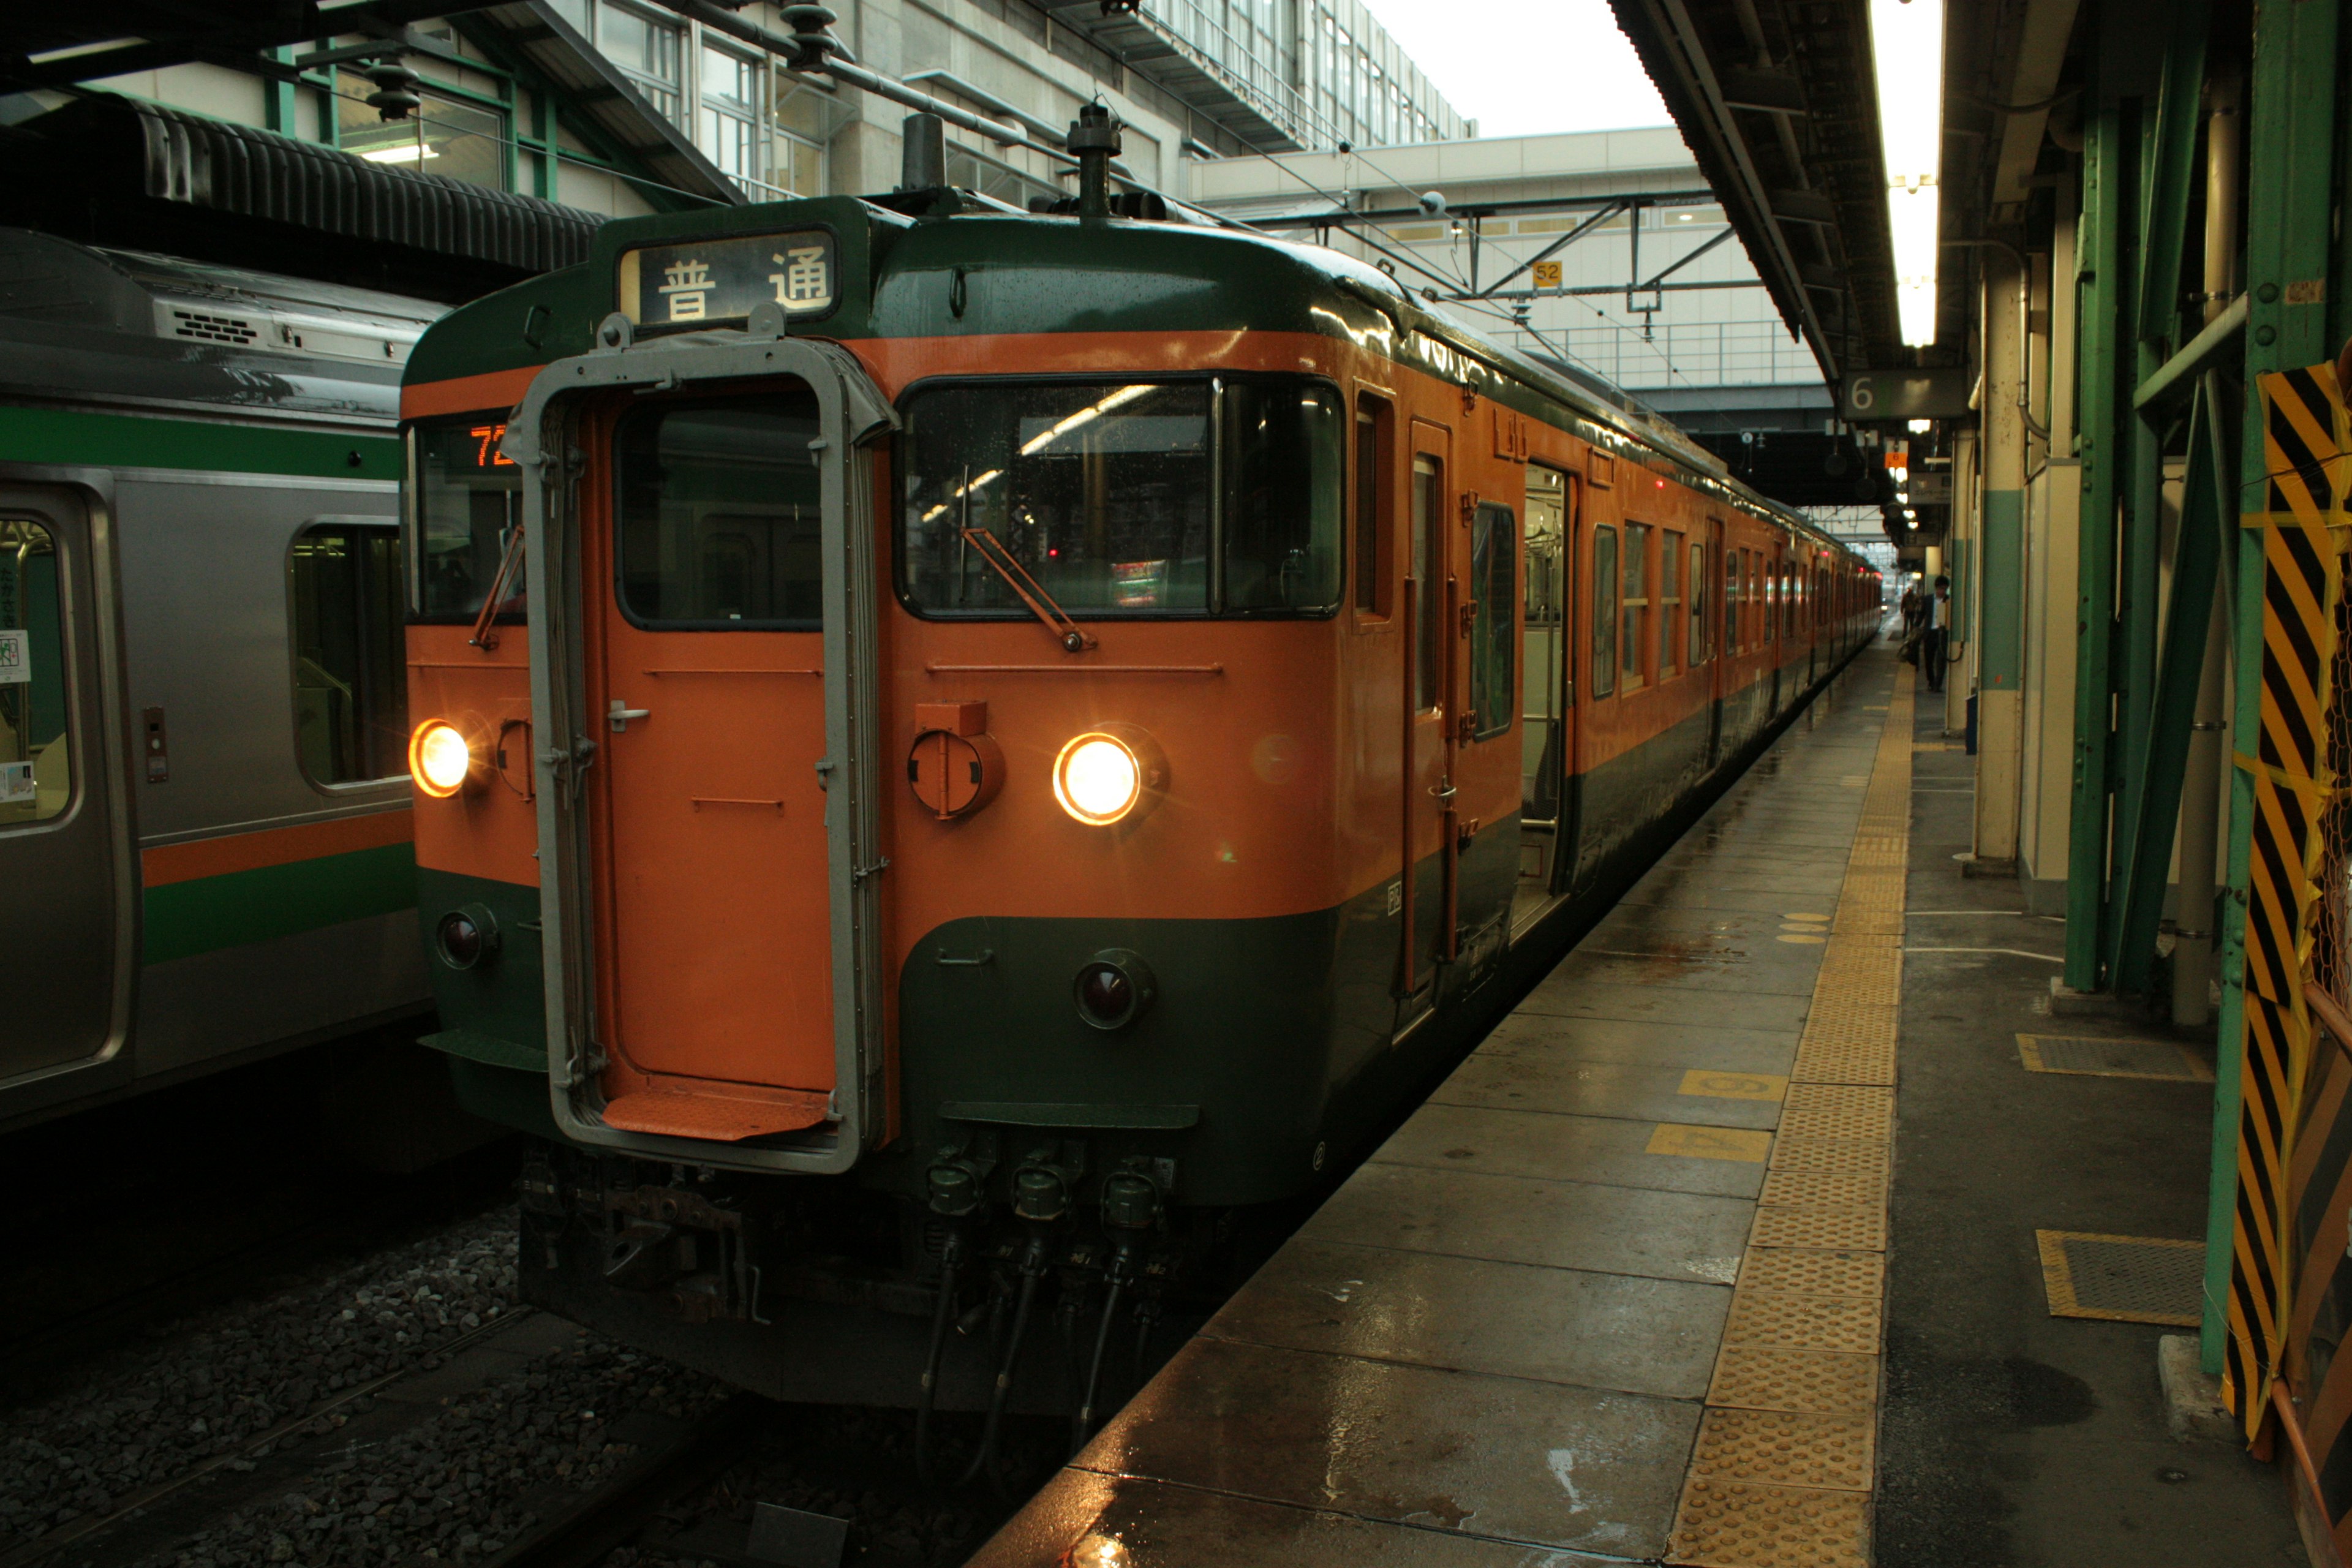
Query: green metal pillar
[
  {"x": 2154, "y": 711},
  {"x": 2292, "y": 161},
  {"x": 278, "y": 97},
  {"x": 2098, "y": 281},
  {"x": 2209, "y": 523}
]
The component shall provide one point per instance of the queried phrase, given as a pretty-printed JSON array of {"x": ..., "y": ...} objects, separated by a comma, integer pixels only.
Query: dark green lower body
[{"x": 1275, "y": 1049}]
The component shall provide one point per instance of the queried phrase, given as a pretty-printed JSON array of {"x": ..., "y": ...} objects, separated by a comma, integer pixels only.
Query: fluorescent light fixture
[
  {"x": 76, "y": 51},
  {"x": 1907, "y": 47},
  {"x": 406, "y": 152},
  {"x": 1920, "y": 427}
]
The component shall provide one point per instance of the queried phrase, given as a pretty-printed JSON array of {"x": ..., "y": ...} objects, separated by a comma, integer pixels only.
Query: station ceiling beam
[{"x": 1774, "y": 99}]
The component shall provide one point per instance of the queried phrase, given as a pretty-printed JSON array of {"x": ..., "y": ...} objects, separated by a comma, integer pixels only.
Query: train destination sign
[{"x": 714, "y": 282}]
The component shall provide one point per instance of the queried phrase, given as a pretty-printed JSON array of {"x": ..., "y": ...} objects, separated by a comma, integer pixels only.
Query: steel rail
[
  {"x": 607, "y": 1517},
  {"x": 65, "y": 1535}
]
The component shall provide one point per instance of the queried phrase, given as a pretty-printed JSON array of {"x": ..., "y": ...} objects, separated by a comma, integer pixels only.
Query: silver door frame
[
  {"x": 112, "y": 1063},
  {"x": 851, "y": 411}
]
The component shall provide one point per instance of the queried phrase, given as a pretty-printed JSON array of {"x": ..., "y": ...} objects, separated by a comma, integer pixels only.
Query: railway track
[
  {"x": 694, "y": 1455},
  {"x": 138, "y": 1502}
]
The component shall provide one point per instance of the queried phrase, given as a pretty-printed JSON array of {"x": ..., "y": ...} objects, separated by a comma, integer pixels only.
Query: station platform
[
  {"x": 1613, "y": 1292},
  {"x": 1671, "y": 1270}
]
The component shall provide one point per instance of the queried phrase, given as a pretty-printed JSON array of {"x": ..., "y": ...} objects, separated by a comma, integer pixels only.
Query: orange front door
[{"x": 714, "y": 934}]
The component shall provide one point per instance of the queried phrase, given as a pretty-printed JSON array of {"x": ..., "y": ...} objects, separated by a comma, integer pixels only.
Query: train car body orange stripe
[
  {"x": 466, "y": 394},
  {"x": 169, "y": 863}
]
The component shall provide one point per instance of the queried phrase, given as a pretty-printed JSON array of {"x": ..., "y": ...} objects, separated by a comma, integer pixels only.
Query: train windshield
[
  {"x": 465, "y": 504},
  {"x": 1124, "y": 498}
]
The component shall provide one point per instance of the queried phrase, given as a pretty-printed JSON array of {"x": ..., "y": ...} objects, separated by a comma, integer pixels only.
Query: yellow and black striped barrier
[{"x": 2298, "y": 754}]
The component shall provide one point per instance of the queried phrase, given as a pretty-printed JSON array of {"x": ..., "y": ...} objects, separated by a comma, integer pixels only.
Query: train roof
[
  {"x": 81, "y": 324},
  {"x": 929, "y": 265}
]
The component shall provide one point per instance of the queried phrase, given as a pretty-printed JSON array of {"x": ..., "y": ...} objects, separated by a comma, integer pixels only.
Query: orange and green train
[{"x": 958, "y": 748}]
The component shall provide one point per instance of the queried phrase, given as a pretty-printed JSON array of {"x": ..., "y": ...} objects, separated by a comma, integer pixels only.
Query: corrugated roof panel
[{"x": 171, "y": 155}]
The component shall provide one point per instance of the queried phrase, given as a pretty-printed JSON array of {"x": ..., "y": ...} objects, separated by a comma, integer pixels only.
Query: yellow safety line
[{"x": 1786, "y": 1456}]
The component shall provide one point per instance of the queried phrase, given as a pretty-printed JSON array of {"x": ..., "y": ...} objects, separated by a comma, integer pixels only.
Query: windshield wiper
[
  {"x": 485, "y": 631},
  {"x": 1028, "y": 590}
]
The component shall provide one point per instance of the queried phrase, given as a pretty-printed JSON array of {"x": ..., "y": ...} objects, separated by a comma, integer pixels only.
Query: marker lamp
[{"x": 439, "y": 758}]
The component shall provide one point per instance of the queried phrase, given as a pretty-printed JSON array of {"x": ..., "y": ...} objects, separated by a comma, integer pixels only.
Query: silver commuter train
[{"x": 205, "y": 837}]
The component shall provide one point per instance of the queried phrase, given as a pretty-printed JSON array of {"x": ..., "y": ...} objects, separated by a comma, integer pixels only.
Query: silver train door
[{"x": 60, "y": 923}]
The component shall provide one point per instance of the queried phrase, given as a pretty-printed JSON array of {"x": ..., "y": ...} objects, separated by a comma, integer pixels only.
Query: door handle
[
  {"x": 620, "y": 713},
  {"x": 1442, "y": 792}
]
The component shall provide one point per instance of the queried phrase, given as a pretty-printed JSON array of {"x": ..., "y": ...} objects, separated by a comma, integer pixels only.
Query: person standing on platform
[{"x": 1938, "y": 631}]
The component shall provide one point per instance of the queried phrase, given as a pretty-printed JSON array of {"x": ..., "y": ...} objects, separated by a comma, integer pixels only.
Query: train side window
[
  {"x": 1731, "y": 638},
  {"x": 350, "y": 676},
  {"x": 465, "y": 506},
  {"x": 1698, "y": 605},
  {"x": 1374, "y": 553},
  {"x": 1635, "y": 604},
  {"x": 36, "y": 737},
  {"x": 1493, "y": 573},
  {"x": 1605, "y": 590},
  {"x": 1670, "y": 603},
  {"x": 1428, "y": 576},
  {"x": 1285, "y": 499}
]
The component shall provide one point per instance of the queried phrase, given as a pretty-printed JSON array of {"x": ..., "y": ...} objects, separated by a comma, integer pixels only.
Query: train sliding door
[
  {"x": 1547, "y": 708},
  {"x": 1431, "y": 589},
  {"x": 61, "y": 922},
  {"x": 715, "y": 920},
  {"x": 1720, "y": 627}
]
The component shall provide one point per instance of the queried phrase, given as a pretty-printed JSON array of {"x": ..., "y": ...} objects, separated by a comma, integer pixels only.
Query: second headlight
[{"x": 1104, "y": 774}]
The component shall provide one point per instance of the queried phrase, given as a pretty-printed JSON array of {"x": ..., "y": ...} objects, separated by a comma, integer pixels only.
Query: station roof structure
[{"x": 1776, "y": 99}]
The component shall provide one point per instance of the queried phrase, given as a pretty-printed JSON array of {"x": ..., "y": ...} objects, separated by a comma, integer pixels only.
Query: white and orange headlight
[
  {"x": 440, "y": 759},
  {"x": 1107, "y": 774}
]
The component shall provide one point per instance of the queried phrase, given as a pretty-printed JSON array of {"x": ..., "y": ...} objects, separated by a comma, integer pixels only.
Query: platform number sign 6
[{"x": 1862, "y": 396}]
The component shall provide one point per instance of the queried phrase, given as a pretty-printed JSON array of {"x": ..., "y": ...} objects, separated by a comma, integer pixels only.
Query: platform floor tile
[
  {"x": 1083, "y": 1519},
  {"x": 1743, "y": 1524},
  {"x": 1776, "y": 1319},
  {"x": 1767, "y": 967},
  {"x": 1551, "y": 1463},
  {"x": 1559, "y": 1325},
  {"x": 1781, "y": 1447},
  {"x": 1558, "y": 1224},
  {"x": 1606, "y": 1150},
  {"x": 1702, "y": 1044},
  {"x": 1811, "y": 1271},
  {"x": 1572, "y": 997},
  {"x": 1662, "y": 1092},
  {"x": 1823, "y": 1382}
]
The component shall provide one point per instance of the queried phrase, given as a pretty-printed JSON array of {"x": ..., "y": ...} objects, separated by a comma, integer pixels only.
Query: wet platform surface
[{"x": 1496, "y": 1343}]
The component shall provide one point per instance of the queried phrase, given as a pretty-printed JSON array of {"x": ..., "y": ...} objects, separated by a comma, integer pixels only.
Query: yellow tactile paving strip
[{"x": 1782, "y": 1471}]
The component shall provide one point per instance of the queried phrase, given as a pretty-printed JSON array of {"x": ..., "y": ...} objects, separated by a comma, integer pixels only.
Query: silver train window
[
  {"x": 36, "y": 740},
  {"x": 350, "y": 676}
]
